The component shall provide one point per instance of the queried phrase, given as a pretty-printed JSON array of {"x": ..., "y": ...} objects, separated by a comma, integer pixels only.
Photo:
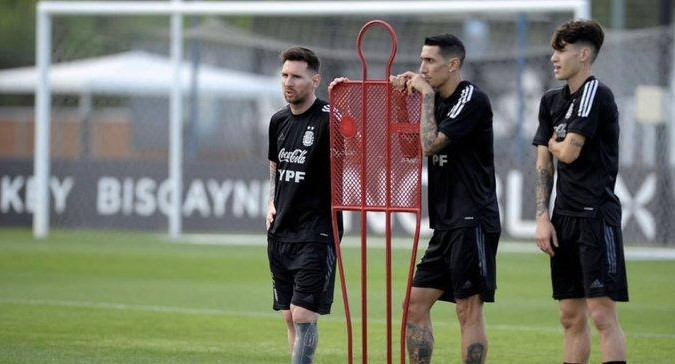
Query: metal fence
[{"x": 110, "y": 143}]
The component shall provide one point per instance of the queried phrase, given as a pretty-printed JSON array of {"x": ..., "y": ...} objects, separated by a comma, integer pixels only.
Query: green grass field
[{"x": 134, "y": 298}]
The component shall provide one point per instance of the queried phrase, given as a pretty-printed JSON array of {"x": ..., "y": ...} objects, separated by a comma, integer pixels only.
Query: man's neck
[
  {"x": 297, "y": 109},
  {"x": 449, "y": 87},
  {"x": 575, "y": 82}
]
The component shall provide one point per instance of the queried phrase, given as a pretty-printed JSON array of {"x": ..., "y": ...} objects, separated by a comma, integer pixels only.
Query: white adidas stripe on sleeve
[
  {"x": 459, "y": 102},
  {"x": 466, "y": 97},
  {"x": 587, "y": 98},
  {"x": 583, "y": 98}
]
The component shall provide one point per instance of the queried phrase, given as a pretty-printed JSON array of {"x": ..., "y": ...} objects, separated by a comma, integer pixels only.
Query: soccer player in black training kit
[
  {"x": 459, "y": 264},
  {"x": 579, "y": 126},
  {"x": 300, "y": 248}
]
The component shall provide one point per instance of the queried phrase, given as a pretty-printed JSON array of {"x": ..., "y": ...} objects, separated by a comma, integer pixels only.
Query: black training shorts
[
  {"x": 302, "y": 274},
  {"x": 460, "y": 262},
  {"x": 589, "y": 260}
]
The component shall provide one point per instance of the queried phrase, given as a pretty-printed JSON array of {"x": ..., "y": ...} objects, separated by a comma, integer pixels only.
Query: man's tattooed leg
[
  {"x": 420, "y": 342},
  {"x": 306, "y": 340},
  {"x": 475, "y": 354}
]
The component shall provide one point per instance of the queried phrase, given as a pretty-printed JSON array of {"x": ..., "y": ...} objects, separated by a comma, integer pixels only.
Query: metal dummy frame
[{"x": 387, "y": 209}]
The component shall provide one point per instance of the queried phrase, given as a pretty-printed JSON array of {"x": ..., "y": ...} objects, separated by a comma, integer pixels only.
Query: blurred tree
[
  {"x": 638, "y": 13},
  {"x": 17, "y": 28},
  {"x": 17, "y": 33}
]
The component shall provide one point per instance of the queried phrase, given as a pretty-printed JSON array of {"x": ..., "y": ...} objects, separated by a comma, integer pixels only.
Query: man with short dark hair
[
  {"x": 459, "y": 264},
  {"x": 300, "y": 245},
  {"x": 579, "y": 126}
]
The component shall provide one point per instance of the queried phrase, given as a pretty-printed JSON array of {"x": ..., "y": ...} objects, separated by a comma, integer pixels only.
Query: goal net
[{"x": 110, "y": 81}]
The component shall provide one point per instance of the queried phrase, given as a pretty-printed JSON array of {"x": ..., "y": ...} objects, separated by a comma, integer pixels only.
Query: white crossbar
[{"x": 304, "y": 8}]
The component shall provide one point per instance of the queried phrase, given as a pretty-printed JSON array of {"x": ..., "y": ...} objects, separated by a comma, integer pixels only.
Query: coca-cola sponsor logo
[{"x": 296, "y": 156}]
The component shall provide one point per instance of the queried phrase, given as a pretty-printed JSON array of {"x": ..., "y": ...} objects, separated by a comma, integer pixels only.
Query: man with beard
[{"x": 300, "y": 249}]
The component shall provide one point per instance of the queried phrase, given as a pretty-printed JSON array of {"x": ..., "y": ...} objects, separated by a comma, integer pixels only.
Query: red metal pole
[
  {"x": 343, "y": 285},
  {"x": 411, "y": 270},
  {"x": 364, "y": 219},
  {"x": 388, "y": 290},
  {"x": 364, "y": 110},
  {"x": 364, "y": 287}
]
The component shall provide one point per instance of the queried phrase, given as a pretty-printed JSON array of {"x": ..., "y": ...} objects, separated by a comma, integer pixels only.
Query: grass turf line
[{"x": 92, "y": 297}]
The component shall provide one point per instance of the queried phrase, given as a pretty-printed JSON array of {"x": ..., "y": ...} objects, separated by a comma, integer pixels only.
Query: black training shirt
[
  {"x": 586, "y": 185},
  {"x": 299, "y": 145},
  {"x": 462, "y": 188}
]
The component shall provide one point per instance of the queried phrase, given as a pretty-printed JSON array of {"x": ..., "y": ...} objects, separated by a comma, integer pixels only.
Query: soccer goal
[{"x": 153, "y": 115}]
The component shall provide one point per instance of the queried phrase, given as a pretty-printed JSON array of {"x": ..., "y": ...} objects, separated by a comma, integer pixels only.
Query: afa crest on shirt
[{"x": 308, "y": 138}]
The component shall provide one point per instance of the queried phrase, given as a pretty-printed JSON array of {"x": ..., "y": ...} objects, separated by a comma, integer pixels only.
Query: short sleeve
[
  {"x": 585, "y": 121},
  {"x": 545, "y": 129},
  {"x": 464, "y": 116},
  {"x": 272, "y": 148},
  {"x": 325, "y": 122}
]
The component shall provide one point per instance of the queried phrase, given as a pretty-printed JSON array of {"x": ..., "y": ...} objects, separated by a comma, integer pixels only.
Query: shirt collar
[{"x": 566, "y": 89}]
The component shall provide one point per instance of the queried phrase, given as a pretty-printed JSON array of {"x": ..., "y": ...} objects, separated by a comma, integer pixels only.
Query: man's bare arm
[
  {"x": 545, "y": 234},
  {"x": 544, "y": 180},
  {"x": 273, "y": 181},
  {"x": 568, "y": 150},
  {"x": 271, "y": 210},
  {"x": 432, "y": 140}
]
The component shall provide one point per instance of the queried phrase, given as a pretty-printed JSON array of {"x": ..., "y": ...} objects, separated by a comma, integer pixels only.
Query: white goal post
[{"x": 176, "y": 9}]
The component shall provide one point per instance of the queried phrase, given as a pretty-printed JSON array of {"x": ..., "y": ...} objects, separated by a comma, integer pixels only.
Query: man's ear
[
  {"x": 454, "y": 64},
  {"x": 316, "y": 80},
  {"x": 585, "y": 54}
]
